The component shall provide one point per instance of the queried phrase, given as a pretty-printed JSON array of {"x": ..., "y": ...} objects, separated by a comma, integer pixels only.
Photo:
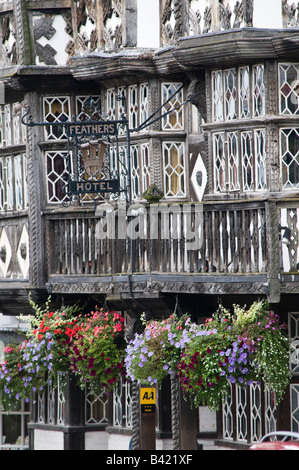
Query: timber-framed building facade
[{"x": 229, "y": 72}]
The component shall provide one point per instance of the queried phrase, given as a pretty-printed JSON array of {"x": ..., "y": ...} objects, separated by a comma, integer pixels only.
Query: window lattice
[
  {"x": 57, "y": 175},
  {"x": 294, "y": 389},
  {"x": 238, "y": 93},
  {"x": 230, "y": 94},
  {"x": 294, "y": 338},
  {"x": 96, "y": 408},
  {"x": 174, "y": 169},
  {"x": 241, "y": 403},
  {"x": 270, "y": 411},
  {"x": 258, "y": 91},
  {"x": 233, "y": 161},
  {"x": 219, "y": 162},
  {"x": 12, "y": 131},
  {"x": 289, "y": 152},
  {"x": 289, "y": 88},
  {"x": 244, "y": 92},
  {"x": 228, "y": 416},
  {"x": 56, "y": 110},
  {"x": 260, "y": 159},
  {"x": 133, "y": 107},
  {"x": 217, "y": 91},
  {"x": 174, "y": 120},
  {"x": 247, "y": 161},
  {"x": 135, "y": 172},
  {"x": 146, "y": 167},
  {"x": 255, "y": 412}
]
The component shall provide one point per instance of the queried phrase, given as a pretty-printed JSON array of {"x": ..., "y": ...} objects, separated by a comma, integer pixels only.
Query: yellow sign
[{"x": 147, "y": 396}]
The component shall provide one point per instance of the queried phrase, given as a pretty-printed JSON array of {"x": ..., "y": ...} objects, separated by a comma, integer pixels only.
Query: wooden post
[
  {"x": 188, "y": 426},
  {"x": 147, "y": 418}
]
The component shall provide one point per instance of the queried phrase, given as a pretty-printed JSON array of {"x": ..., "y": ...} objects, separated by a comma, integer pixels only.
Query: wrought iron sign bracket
[{"x": 96, "y": 164}]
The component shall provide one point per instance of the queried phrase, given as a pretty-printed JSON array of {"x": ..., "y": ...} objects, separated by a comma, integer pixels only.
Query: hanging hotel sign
[
  {"x": 93, "y": 187},
  {"x": 95, "y": 164},
  {"x": 98, "y": 129}
]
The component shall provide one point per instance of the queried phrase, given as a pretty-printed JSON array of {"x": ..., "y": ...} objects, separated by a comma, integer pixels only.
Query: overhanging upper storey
[{"x": 224, "y": 48}]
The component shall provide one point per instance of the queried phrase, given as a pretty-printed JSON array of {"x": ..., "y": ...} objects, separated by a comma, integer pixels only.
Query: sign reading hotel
[
  {"x": 92, "y": 128},
  {"x": 98, "y": 186}
]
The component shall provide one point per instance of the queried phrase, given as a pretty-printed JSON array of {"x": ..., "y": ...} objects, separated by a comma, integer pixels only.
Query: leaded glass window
[
  {"x": 133, "y": 107},
  {"x": 238, "y": 93},
  {"x": 233, "y": 161},
  {"x": 289, "y": 88},
  {"x": 217, "y": 91},
  {"x": 174, "y": 98},
  {"x": 96, "y": 408},
  {"x": 57, "y": 175},
  {"x": 260, "y": 160},
  {"x": 258, "y": 91},
  {"x": 240, "y": 161},
  {"x": 135, "y": 170},
  {"x": 174, "y": 169},
  {"x": 247, "y": 161},
  {"x": 56, "y": 109},
  {"x": 230, "y": 94},
  {"x": 144, "y": 91},
  {"x": 219, "y": 162},
  {"x": 289, "y": 152},
  {"x": 294, "y": 338},
  {"x": 244, "y": 92},
  {"x": 146, "y": 167}
]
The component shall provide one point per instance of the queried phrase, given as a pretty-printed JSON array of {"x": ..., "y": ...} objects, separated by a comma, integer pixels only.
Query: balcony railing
[{"x": 179, "y": 238}]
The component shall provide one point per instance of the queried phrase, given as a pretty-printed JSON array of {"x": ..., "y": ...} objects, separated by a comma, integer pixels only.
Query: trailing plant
[
  {"x": 90, "y": 347},
  {"x": 153, "y": 355},
  {"x": 236, "y": 347}
]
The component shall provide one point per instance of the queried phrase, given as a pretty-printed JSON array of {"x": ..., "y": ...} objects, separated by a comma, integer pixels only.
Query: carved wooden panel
[{"x": 14, "y": 250}]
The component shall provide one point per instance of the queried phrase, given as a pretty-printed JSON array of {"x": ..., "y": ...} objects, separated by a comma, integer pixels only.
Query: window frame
[
  {"x": 219, "y": 110},
  {"x": 222, "y": 161}
]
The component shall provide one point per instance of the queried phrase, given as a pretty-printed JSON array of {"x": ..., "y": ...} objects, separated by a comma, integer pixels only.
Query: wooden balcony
[{"x": 152, "y": 250}]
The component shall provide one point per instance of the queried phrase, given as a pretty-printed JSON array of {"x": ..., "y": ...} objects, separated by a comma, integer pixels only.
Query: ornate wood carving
[
  {"x": 43, "y": 27},
  {"x": 290, "y": 14}
]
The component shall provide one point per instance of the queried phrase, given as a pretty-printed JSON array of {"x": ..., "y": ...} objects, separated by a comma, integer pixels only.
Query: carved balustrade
[{"x": 179, "y": 238}]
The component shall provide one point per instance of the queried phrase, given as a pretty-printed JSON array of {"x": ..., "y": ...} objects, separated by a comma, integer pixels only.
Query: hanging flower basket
[
  {"x": 238, "y": 348},
  {"x": 90, "y": 347}
]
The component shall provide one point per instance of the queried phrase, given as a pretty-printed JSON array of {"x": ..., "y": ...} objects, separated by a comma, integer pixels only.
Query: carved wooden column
[
  {"x": 35, "y": 196},
  {"x": 273, "y": 247},
  {"x": 23, "y": 33}
]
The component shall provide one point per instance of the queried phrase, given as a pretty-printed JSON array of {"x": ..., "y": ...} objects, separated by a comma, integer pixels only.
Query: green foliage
[{"x": 236, "y": 347}]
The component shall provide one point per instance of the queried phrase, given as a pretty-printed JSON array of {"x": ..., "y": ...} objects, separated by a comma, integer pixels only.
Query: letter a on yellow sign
[{"x": 147, "y": 396}]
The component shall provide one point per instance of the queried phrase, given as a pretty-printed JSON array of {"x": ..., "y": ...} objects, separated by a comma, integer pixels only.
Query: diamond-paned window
[
  {"x": 57, "y": 175},
  {"x": 238, "y": 93},
  {"x": 240, "y": 161},
  {"x": 289, "y": 152},
  {"x": 174, "y": 169},
  {"x": 218, "y": 95},
  {"x": 174, "y": 99},
  {"x": 56, "y": 109},
  {"x": 247, "y": 161},
  {"x": 233, "y": 161},
  {"x": 289, "y": 89},
  {"x": 260, "y": 159},
  {"x": 244, "y": 92},
  {"x": 230, "y": 94},
  {"x": 258, "y": 91},
  {"x": 219, "y": 162},
  {"x": 135, "y": 172},
  {"x": 146, "y": 167}
]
